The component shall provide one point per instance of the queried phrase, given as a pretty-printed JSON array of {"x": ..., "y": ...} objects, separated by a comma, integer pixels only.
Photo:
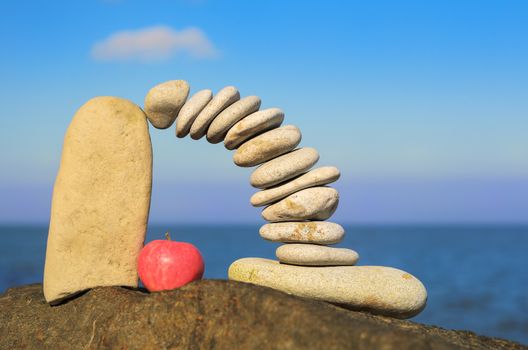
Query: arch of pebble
[{"x": 297, "y": 201}]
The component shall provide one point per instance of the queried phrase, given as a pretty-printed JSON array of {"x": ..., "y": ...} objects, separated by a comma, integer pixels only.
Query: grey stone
[
  {"x": 319, "y": 232},
  {"x": 163, "y": 102},
  {"x": 223, "y": 99},
  {"x": 382, "y": 290},
  {"x": 316, "y": 177},
  {"x": 190, "y": 111},
  {"x": 267, "y": 146},
  {"x": 229, "y": 116},
  {"x": 315, "y": 255},
  {"x": 315, "y": 203},
  {"x": 284, "y": 167},
  {"x": 253, "y": 125}
]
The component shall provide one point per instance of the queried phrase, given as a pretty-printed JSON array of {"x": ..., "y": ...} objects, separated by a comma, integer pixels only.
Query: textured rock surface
[
  {"x": 284, "y": 167},
  {"x": 316, "y": 177},
  {"x": 315, "y": 255},
  {"x": 211, "y": 314},
  {"x": 163, "y": 102},
  {"x": 101, "y": 199},
  {"x": 229, "y": 116},
  {"x": 321, "y": 232},
  {"x": 252, "y": 125},
  {"x": 379, "y": 289},
  {"x": 224, "y": 98},
  {"x": 190, "y": 111},
  {"x": 267, "y": 146},
  {"x": 315, "y": 203}
]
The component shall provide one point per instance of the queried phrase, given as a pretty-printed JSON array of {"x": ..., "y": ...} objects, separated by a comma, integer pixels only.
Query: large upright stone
[{"x": 100, "y": 201}]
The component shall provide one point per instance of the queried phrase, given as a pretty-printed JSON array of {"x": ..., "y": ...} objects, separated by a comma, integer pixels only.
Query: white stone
[
  {"x": 223, "y": 99},
  {"x": 190, "y": 111},
  {"x": 284, "y": 167},
  {"x": 315, "y": 255},
  {"x": 378, "y": 289},
  {"x": 316, "y": 177},
  {"x": 315, "y": 203},
  {"x": 253, "y": 125},
  {"x": 163, "y": 102},
  {"x": 101, "y": 200},
  {"x": 229, "y": 116},
  {"x": 319, "y": 232},
  {"x": 267, "y": 146}
]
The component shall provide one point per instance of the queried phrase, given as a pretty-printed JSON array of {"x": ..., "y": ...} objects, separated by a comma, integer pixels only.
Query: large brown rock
[{"x": 210, "y": 315}]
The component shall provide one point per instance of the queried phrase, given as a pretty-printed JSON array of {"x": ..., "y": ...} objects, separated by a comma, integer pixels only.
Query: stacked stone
[
  {"x": 296, "y": 197},
  {"x": 297, "y": 200}
]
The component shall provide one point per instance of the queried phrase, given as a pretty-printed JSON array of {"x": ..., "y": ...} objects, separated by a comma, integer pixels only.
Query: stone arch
[{"x": 101, "y": 200}]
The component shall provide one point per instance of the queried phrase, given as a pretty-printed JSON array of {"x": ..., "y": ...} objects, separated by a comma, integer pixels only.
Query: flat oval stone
[
  {"x": 252, "y": 125},
  {"x": 223, "y": 99},
  {"x": 267, "y": 146},
  {"x": 190, "y": 111},
  {"x": 163, "y": 102},
  {"x": 377, "y": 289},
  {"x": 315, "y": 255},
  {"x": 101, "y": 200},
  {"x": 284, "y": 167},
  {"x": 315, "y": 203},
  {"x": 319, "y": 232},
  {"x": 229, "y": 116},
  {"x": 316, "y": 177}
]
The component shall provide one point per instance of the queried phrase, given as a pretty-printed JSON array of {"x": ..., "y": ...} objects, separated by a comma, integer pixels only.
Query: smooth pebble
[
  {"x": 315, "y": 255},
  {"x": 284, "y": 167},
  {"x": 319, "y": 232},
  {"x": 252, "y": 125},
  {"x": 267, "y": 146},
  {"x": 163, "y": 102},
  {"x": 190, "y": 111},
  {"x": 316, "y": 177},
  {"x": 315, "y": 203},
  {"x": 230, "y": 116},
  {"x": 223, "y": 99}
]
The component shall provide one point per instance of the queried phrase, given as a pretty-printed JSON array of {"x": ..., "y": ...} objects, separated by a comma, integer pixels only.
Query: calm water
[{"x": 476, "y": 277}]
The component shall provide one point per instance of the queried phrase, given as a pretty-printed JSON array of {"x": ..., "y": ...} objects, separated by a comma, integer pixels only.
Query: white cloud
[{"x": 153, "y": 44}]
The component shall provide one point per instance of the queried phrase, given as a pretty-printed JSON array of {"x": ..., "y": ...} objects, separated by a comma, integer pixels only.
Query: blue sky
[{"x": 423, "y": 105}]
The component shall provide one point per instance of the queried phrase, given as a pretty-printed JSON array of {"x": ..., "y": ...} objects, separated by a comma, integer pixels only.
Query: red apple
[{"x": 166, "y": 264}]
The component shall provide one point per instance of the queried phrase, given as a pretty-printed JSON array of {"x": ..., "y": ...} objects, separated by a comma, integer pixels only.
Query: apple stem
[{"x": 167, "y": 236}]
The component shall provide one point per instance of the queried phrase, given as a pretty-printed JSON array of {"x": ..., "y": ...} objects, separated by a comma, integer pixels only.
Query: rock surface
[
  {"x": 267, "y": 146},
  {"x": 316, "y": 177},
  {"x": 223, "y": 99},
  {"x": 315, "y": 203},
  {"x": 379, "y": 289},
  {"x": 163, "y": 102},
  {"x": 229, "y": 116},
  {"x": 211, "y": 314},
  {"x": 253, "y": 125},
  {"x": 284, "y": 167},
  {"x": 190, "y": 111},
  {"x": 320, "y": 232},
  {"x": 100, "y": 200},
  {"x": 315, "y": 255}
]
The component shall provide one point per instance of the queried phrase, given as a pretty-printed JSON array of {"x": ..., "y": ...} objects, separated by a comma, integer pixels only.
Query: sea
[{"x": 476, "y": 276}]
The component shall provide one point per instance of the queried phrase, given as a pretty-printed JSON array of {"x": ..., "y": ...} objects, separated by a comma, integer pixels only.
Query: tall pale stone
[{"x": 100, "y": 201}]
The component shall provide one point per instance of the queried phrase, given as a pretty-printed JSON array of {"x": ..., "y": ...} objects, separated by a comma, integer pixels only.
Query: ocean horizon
[{"x": 475, "y": 274}]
